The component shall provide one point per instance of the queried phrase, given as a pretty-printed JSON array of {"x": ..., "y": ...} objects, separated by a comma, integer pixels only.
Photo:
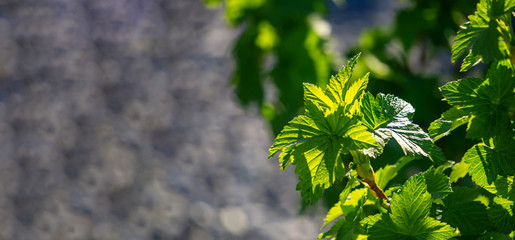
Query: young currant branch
[
  {"x": 366, "y": 172},
  {"x": 345, "y": 119}
]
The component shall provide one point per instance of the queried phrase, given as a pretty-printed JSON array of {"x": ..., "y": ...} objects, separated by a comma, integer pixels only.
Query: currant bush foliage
[
  {"x": 345, "y": 128},
  {"x": 487, "y": 35},
  {"x": 486, "y": 106},
  {"x": 345, "y": 120}
]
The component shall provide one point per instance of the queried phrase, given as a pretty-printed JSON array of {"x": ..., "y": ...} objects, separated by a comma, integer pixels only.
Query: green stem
[
  {"x": 363, "y": 166},
  {"x": 366, "y": 172}
]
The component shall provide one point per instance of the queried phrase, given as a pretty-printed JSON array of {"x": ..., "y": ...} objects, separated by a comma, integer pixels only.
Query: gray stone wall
[{"x": 117, "y": 121}]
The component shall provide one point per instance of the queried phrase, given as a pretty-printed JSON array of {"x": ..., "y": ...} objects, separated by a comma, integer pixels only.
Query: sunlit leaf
[
  {"x": 389, "y": 116},
  {"x": 409, "y": 217}
]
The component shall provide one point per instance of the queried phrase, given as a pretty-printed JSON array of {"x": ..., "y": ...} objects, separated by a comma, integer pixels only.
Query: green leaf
[
  {"x": 352, "y": 134},
  {"x": 388, "y": 172},
  {"x": 486, "y": 164},
  {"x": 409, "y": 217},
  {"x": 315, "y": 142},
  {"x": 465, "y": 212},
  {"x": 495, "y": 236},
  {"x": 298, "y": 130},
  {"x": 412, "y": 204},
  {"x": 450, "y": 120},
  {"x": 338, "y": 84},
  {"x": 459, "y": 170},
  {"x": 381, "y": 226},
  {"x": 470, "y": 61},
  {"x": 485, "y": 101},
  {"x": 501, "y": 215},
  {"x": 355, "y": 93},
  {"x": 318, "y": 164},
  {"x": 285, "y": 157},
  {"x": 468, "y": 217},
  {"x": 350, "y": 211},
  {"x": 496, "y": 90},
  {"x": 318, "y": 115},
  {"x": 389, "y": 116},
  {"x": 315, "y": 94},
  {"x": 344, "y": 92},
  {"x": 336, "y": 211},
  {"x": 438, "y": 184},
  {"x": 463, "y": 95},
  {"x": 339, "y": 228},
  {"x": 503, "y": 187},
  {"x": 317, "y": 153},
  {"x": 351, "y": 184},
  {"x": 509, "y": 5},
  {"x": 499, "y": 82},
  {"x": 235, "y": 10},
  {"x": 497, "y": 120},
  {"x": 485, "y": 36}
]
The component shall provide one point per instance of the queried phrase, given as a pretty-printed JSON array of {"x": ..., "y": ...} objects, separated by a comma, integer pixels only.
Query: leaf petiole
[{"x": 366, "y": 172}]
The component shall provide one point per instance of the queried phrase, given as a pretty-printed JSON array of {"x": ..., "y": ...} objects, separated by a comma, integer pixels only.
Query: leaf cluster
[
  {"x": 342, "y": 120},
  {"x": 485, "y": 106}
]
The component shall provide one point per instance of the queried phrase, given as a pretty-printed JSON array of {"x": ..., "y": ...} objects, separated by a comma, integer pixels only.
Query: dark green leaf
[
  {"x": 483, "y": 37},
  {"x": 463, "y": 95},
  {"x": 495, "y": 236},
  {"x": 485, "y": 101},
  {"x": 437, "y": 183},
  {"x": 501, "y": 215},
  {"x": 486, "y": 164},
  {"x": 463, "y": 212},
  {"x": 409, "y": 216},
  {"x": 450, "y": 120},
  {"x": 499, "y": 82},
  {"x": 503, "y": 187},
  {"x": 496, "y": 119}
]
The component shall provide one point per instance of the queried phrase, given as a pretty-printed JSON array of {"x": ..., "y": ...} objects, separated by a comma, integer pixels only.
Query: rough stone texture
[{"x": 117, "y": 121}]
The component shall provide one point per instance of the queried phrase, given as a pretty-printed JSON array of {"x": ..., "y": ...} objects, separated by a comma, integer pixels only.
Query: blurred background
[{"x": 151, "y": 119}]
